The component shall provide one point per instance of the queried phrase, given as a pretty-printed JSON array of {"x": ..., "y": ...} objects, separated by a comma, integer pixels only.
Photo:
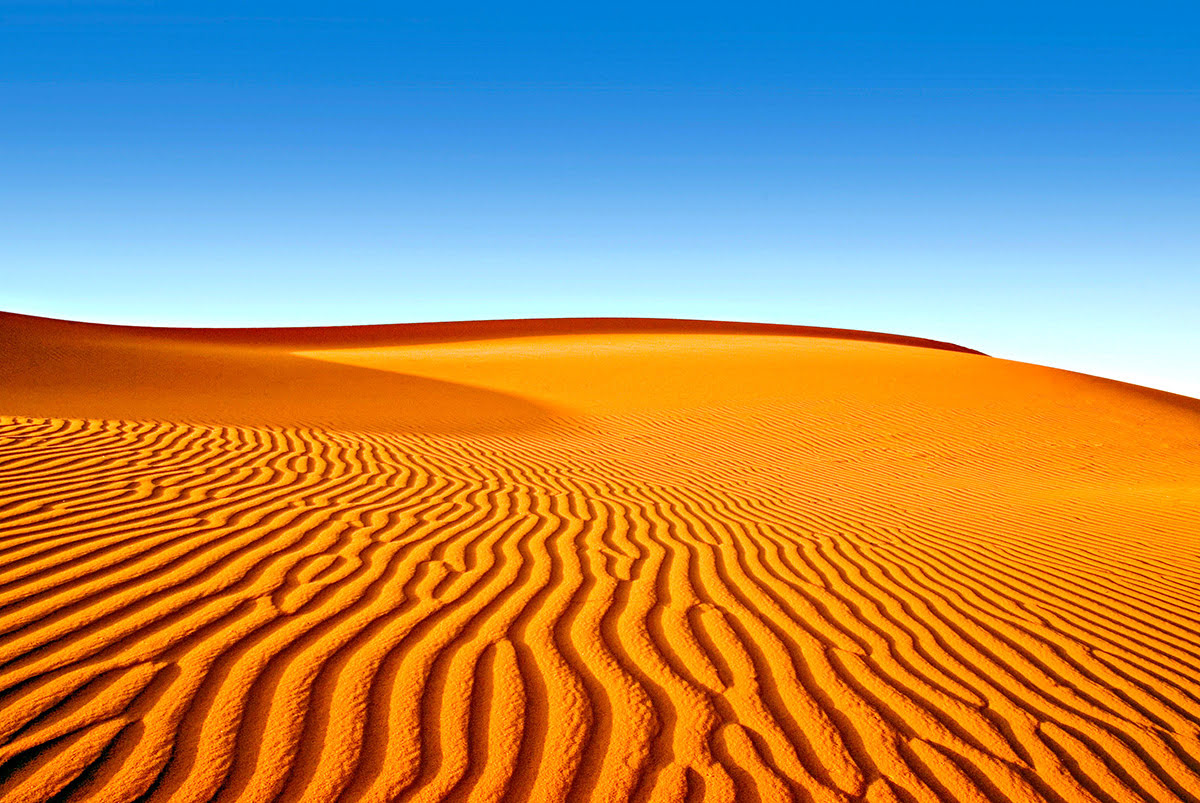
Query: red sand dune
[{"x": 596, "y": 559}]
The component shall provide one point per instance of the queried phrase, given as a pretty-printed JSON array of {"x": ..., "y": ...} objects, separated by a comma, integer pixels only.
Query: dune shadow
[{"x": 145, "y": 379}]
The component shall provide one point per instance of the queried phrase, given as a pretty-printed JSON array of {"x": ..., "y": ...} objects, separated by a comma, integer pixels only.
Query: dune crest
[{"x": 592, "y": 560}]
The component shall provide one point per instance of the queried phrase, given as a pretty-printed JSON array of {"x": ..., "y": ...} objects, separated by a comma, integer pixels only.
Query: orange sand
[{"x": 604, "y": 560}]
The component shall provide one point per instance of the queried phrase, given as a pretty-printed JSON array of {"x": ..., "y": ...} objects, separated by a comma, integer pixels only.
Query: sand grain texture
[{"x": 597, "y": 560}]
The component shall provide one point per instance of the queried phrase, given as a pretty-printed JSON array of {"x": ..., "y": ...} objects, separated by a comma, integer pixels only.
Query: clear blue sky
[{"x": 1020, "y": 178}]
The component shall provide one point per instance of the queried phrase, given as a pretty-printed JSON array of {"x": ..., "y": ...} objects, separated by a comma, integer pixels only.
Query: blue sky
[{"x": 1023, "y": 179}]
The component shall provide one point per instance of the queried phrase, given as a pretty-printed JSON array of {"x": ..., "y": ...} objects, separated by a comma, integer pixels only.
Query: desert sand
[{"x": 590, "y": 560}]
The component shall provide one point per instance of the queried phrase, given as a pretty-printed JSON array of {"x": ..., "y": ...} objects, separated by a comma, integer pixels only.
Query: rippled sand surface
[{"x": 588, "y": 560}]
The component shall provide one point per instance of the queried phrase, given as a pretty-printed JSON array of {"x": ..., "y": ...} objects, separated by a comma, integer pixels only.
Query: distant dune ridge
[{"x": 607, "y": 559}]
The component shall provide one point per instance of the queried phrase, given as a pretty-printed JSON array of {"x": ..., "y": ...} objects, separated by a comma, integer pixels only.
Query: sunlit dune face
[
  {"x": 600, "y": 374},
  {"x": 535, "y": 565}
]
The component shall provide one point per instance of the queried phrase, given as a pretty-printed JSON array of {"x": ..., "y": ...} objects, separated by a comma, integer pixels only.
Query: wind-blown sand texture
[{"x": 597, "y": 560}]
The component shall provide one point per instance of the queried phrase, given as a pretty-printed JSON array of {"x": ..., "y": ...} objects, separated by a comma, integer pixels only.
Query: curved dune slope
[{"x": 610, "y": 561}]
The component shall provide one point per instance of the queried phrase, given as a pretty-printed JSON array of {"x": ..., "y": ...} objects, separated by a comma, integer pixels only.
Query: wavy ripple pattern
[{"x": 727, "y": 608}]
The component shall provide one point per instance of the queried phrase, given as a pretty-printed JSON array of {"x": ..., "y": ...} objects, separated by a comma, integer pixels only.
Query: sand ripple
[{"x": 764, "y": 602}]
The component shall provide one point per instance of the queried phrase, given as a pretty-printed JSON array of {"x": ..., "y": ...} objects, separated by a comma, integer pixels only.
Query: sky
[{"x": 1019, "y": 178}]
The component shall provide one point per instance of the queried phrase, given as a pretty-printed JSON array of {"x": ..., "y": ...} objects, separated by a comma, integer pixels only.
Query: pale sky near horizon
[{"x": 1023, "y": 179}]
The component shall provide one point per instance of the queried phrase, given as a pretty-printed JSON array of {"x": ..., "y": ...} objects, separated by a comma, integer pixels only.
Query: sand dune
[{"x": 606, "y": 560}]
